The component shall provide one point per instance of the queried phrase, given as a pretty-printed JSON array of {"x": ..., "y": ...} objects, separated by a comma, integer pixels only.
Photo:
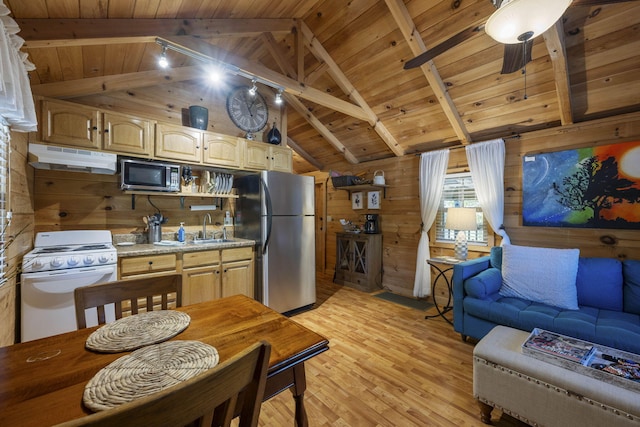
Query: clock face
[{"x": 248, "y": 112}]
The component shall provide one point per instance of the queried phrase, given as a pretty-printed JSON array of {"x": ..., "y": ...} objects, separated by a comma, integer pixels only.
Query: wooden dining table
[{"x": 42, "y": 381}]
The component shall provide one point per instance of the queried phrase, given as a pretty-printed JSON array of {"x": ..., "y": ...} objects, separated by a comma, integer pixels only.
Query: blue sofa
[{"x": 608, "y": 293}]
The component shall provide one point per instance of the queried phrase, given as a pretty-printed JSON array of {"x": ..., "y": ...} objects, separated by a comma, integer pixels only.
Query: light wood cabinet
[
  {"x": 209, "y": 275},
  {"x": 83, "y": 126},
  {"x": 147, "y": 265},
  {"x": 261, "y": 156},
  {"x": 178, "y": 143},
  {"x": 222, "y": 150},
  {"x": 281, "y": 159},
  {"x": 70, "y": 124},
  {"x": 126, "y": 134},
  {"x": 359, "y": 261}
]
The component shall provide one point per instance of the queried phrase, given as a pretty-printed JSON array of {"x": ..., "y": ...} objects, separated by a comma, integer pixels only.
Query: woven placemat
[
  {"x": 138, "y": 330},
  {"x": 146, "y": 371}
]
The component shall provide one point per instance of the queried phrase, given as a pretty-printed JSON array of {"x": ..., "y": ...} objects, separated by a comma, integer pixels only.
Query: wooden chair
[
  {"x": 210, "y": 399},
  {"x": 97, "y": 296}
]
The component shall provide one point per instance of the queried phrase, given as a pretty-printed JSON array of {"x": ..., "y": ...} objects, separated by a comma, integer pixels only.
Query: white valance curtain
[
  {"x": 486, "y": 163},
  {"x": 16, "y": 101},
  {"x": 433, "y": 167}
]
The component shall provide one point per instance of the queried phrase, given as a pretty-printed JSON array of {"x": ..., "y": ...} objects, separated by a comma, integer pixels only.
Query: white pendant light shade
[{"x": 516, "y": 18}]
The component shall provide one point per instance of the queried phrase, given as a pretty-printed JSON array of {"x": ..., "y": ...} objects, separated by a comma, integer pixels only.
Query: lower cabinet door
[
  {"x": 200, "y": 284},
  {"x": 237, "y": 278}
]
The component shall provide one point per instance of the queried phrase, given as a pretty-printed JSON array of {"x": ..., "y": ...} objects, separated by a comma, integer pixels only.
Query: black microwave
[{"x": 149, "y": 176}]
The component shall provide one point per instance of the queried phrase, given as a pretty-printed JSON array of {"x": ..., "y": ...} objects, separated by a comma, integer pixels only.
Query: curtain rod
[{"x": 460, "y": 147}]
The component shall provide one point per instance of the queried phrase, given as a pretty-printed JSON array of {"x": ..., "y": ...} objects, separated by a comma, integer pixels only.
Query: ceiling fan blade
[
  {"x": 442, "y": 47},
  {"x": 513, "y": 58}
]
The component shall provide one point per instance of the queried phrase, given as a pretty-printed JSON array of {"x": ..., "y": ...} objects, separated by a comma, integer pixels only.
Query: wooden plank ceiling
[{"x": 348, "y": 98}]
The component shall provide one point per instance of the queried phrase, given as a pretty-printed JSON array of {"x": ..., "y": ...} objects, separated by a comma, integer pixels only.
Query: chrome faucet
[
  {"x": 224, "y": 233},
  {"x": 204, "y": 225}
]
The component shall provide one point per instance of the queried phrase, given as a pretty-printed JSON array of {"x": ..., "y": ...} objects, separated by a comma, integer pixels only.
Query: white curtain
[
  {"x": 486, "y": 163},
  {"x": 16, "y": 101},
  {"x": 433, "y": 167}
]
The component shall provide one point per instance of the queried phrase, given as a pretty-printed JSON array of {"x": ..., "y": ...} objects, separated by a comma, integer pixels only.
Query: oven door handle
[{"x": 67, "y": 280}]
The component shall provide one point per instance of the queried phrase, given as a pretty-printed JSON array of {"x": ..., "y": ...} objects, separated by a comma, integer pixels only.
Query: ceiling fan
[{"x": 515, "y": 23}]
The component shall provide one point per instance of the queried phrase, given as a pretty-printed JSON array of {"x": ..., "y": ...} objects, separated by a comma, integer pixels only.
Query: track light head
[
  {"x": 254, "y": 88},
  {"x": 163, "y": 62},
  {"x": 278, "y": 100}
]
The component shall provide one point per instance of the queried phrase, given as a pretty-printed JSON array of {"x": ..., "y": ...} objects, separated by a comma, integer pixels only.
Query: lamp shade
[
  {"x": 516, "y": 18},
  {"x": 461, "y": 219}
]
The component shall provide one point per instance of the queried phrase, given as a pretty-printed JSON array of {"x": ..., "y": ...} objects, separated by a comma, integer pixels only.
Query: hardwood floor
[{"x": 387, "y": 366}]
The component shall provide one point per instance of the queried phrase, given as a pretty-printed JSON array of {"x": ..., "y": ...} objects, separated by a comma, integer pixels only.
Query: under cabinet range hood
[{"x": 72, "y": 159}]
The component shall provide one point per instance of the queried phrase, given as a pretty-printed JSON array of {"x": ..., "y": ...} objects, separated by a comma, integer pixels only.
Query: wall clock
[{"x": 249, "y": 112}]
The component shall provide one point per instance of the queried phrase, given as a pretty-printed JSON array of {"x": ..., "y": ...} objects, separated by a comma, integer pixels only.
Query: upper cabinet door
[
  {"x": 256, "y": 155},
  {"x": 281, "y": 159},
  {"x": 126, "y": 134},
  {"x": 70, "y": 124},
  {"x": 222, "y": 150},
  {"x": 178, "y": 143}
]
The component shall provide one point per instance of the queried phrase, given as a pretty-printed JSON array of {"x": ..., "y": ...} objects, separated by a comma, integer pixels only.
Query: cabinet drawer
[
  {"x": 147, "y": 264},
  {"x": 237, "y": 254},
  {"x": 195, "y": 259}
]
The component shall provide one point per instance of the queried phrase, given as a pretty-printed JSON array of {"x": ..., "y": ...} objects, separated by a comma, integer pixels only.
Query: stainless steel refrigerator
[{"x": 276, "y": 210}]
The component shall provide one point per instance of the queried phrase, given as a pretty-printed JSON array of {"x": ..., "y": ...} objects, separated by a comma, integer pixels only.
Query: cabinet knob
[
  {"x": 94, "y": 128},
  {"x": 106, "y": 131},
  {"x": 217, "y": 271},
  {"x": 150, "y": 262}
]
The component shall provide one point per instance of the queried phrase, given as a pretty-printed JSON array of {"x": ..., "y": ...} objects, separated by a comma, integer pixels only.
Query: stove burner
[{"x": 91, "y": 247}]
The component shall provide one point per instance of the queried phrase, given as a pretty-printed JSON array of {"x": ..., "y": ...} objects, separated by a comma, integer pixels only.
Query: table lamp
[{"x": 461, "y": 219}]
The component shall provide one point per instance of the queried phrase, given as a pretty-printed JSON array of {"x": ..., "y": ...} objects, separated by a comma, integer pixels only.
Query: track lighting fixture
[
  {"x": 163, "y": 62},
  {"x": 218, "y": 68}
]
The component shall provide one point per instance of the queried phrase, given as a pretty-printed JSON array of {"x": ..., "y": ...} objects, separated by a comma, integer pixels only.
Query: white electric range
[{"x": 60, "y": 262}]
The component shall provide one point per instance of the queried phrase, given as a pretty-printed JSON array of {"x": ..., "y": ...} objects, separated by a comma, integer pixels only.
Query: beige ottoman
[{"x": 542, "y": 394}]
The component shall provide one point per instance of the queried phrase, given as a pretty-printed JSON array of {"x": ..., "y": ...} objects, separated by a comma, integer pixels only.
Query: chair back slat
[
  {"x": 127, "y": 291},
  {"x": 212, "y": 395}
]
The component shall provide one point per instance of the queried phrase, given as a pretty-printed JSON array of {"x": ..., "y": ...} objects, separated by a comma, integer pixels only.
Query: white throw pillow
[{"x": 543, "y": 275}]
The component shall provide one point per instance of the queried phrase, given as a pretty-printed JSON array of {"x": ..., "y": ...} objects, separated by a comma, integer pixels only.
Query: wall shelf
[
  {"x": 363, "y": 187},
  {"x": 181, "y": 195}
]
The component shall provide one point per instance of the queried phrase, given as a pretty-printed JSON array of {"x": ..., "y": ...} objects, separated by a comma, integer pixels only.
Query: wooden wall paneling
[{"x": 20, "y": 203}]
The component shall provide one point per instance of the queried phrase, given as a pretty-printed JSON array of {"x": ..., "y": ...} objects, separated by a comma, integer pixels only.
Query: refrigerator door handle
[{"x": 267, "y": 198}]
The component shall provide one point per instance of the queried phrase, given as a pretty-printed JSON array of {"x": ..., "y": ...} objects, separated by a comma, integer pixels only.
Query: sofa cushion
[
  {"x": 631, "y": 274},
  {"x": 543, "y": 275},
  {"x": 495, "y": 257},
  {"x": 484, "y": 284},
  {"x": 599, "y": 283}
]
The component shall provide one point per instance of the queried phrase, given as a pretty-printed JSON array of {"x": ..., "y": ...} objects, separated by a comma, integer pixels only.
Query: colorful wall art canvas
[{"x": 594, "y": 187}]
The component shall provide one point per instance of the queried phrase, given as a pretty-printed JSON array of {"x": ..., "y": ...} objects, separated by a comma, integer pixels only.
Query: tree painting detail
[{"x": 595, "y": 187}]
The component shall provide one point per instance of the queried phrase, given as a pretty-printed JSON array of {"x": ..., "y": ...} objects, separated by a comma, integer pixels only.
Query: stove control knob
[
  {"x": 37, "y": 264},
  {"x": 73, "y": 261},
  {"x": 103, "y": 258},
  {"x": 89, "y": 259},
  {"x": 57, "y": 262}
]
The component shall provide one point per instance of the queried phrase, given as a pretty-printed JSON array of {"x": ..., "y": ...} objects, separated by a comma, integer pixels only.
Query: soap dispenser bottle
[{"x": 181, "y": 233}]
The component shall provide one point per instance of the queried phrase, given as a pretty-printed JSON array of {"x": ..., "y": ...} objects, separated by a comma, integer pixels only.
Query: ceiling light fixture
[
  {"x": 163, "y": 62},
  {"x": 517, "y": 21},
  {"x": 222, "y": 67},
  {"x": 254, "y": 88}
]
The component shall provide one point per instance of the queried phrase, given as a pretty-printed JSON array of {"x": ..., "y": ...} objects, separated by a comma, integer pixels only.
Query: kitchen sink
[{"x": 210, "y": 241}]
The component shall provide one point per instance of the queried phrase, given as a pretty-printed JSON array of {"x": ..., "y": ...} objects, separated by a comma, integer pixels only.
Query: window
[{"x": 459, "y": 192}]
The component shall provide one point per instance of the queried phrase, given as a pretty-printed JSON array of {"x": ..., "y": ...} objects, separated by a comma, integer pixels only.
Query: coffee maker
[{"x": 371, "y": 225}]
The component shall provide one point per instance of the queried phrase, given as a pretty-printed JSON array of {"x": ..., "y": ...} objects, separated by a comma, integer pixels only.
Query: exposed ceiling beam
[
  {"x": 276, "y": 53},
  {"x": 554, "y": 39},
  {"x": 82, "y": 32},
  {"x": 347, "y": 87},
  {"x": 291, "y": 86},
  {"x": 300, "y": 151},
  {"x": 416, "y": 44},
  {"x": 297, "y": 105},
  {"x": 103, "y": 84}
]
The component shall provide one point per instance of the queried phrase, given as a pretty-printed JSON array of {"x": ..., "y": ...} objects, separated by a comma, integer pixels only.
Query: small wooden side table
[{"x": 436, "y": 264}]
